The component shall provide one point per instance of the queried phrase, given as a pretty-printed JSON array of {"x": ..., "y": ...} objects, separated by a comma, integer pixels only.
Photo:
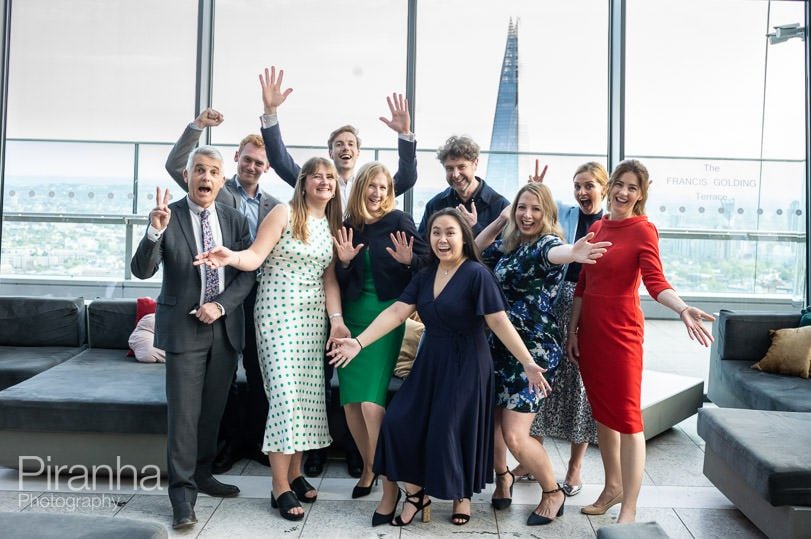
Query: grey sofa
[
  {"x": 742, "y": 339},
  {"x": 98, "y": 407},
  {"x": 757, "y": 442},
  {"x": 37, "y": 334}
]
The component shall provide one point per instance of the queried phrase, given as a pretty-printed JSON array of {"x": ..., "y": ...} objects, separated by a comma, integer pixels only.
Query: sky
[{"x": 101, "y": 70}]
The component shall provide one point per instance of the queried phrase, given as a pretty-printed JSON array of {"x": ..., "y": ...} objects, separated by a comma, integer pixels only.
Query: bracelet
[
  {"x": 359, "y": 344},
  {"x": 335, "y": 315},
  {"x": 681, "y": 312},
  {"x": 572, "y": 333}
]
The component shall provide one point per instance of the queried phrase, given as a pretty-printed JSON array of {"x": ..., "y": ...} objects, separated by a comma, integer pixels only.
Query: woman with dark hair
[
  {"x": 372, "y": 275},
  {"x": 606, "y": 331},
  {"x": 528, "y": 260},
  {"x": 297, "y": 289},
  {"x": 437, "y": 435}
]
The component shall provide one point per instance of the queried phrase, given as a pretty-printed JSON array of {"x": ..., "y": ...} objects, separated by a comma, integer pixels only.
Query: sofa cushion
[
  {"x": 790, "y": 352},
  {"x": 769, "y": 450},
  {"x": 763, "y": 390},
  {"x": 35, "y": 321},
  {"x": 110, "y": 322},
  {"x": 18, "y": 363},
  {"x": 97, "y": 391}
]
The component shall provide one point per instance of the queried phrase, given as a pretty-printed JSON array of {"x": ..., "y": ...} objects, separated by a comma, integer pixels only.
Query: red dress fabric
[{"x": 611, "y": 325}]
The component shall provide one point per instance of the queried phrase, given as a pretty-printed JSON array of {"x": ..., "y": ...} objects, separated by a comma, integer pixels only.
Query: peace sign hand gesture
[
  {"x": 538, "y": 178},
  {"x": 343, "y": 246},
  {"x": 160, "y": 214}
]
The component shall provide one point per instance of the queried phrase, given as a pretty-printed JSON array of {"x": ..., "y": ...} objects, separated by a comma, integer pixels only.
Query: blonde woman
[
  {"x": 376, "y": 249},
  {"x": 528, "y": 263},
  {"x": 297, "y": 290}
]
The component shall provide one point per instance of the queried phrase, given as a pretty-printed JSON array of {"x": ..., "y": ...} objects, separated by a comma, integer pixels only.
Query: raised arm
[
  {"x": 273, "y": 96},
  {"x": 179, "y": 155},
  {"x": 400, "y": 122},
  {"x": 581, "y": 251},
  {"x": 344, "y": 350},
  {"x": 487, "y": 236}
]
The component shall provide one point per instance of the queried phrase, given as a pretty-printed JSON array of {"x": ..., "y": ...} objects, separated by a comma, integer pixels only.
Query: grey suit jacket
[
  {"x": 176, "y": 163},
  {"x": 176, "y": 330}
]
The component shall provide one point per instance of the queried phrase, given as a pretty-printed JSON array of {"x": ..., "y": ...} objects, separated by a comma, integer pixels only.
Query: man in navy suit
[
  {"x": 238, "y": 438},
  {"x": 199, "y": 322}
]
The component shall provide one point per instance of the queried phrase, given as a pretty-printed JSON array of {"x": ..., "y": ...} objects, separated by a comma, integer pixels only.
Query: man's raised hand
[
  {"x": 160, "y": 214},
  {"x": 272, "y": 94},
  {"x": 208, "y": 118},
  {"x": 400, "y": 117}
]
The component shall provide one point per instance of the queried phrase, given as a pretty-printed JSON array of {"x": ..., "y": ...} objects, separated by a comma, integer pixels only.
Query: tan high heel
[{"x": 595, "y": 509}]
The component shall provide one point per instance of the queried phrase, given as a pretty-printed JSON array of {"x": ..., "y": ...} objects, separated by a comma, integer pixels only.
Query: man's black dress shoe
[
  {"x": 212, "y": 487},
  {"x": 354, "y": 463},
  {"x": 226, "y": 458},
  {"x": 183, "y": 516},
  {"x": 316, "y": 458}
]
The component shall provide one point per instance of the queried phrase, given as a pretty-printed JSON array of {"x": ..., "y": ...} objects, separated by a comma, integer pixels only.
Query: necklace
[{"x": 445, "y": 272}]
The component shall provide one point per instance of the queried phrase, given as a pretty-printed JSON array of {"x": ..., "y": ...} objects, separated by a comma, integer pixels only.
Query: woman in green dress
[{"x": 377, "y": 249}]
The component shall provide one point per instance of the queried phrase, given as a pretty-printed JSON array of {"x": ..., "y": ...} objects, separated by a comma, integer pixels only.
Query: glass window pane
[{"x": 561, "y": 87}]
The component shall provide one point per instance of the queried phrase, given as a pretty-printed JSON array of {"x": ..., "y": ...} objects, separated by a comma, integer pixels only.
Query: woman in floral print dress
[{"x": 527, "y": 261}]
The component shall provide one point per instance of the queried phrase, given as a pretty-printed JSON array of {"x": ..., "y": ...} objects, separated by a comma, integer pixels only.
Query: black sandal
[
  {"x": 286, "y": 502},
  {"x": 301, "y": 487},
  {"x": 504, "y": 503},
  {"x": 464, "y": 517},
  {"x": 424, "y": 507}
]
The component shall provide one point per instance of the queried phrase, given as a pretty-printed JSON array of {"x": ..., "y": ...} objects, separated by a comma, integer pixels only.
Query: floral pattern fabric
[{"x": 530, "y": 283}]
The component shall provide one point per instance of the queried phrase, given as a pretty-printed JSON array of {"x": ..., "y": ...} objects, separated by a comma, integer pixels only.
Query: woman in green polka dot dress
[
  {"x": 375, "y": 255},
  {"x": 297, "y": 287}
]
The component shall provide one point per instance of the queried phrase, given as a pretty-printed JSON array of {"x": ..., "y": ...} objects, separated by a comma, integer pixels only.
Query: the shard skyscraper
[{"x": 502, "y": 170}]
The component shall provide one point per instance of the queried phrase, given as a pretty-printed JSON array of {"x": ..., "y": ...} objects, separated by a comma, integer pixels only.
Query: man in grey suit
[
  {"x": 242, "y": 192},
  {"x": 198, "y": 322}
]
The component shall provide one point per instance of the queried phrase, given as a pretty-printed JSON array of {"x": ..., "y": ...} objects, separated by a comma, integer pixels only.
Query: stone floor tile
[
  {"x": 676, "y": 465},
  {"x": 12, "y": 501},
  {"x": 331, "y": 519},
  {"x": 246, "y": 517},
  {"x": 158, "y": 509},
  {"x": 336, "y": 468},
  {"x": 254, "y": 468},
  {"x": 665, "y": 517},
  {"x": 712, "y": 523},
  {"x": 672, "y": 436},
  {"x": 482, "y": 522},
  {"x": 239, "y": 467},
  {"x": 512, "y": 522}
]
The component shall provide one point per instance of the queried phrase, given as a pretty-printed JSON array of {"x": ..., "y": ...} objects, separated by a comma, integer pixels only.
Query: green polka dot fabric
[{"x": 291, "y": 334}]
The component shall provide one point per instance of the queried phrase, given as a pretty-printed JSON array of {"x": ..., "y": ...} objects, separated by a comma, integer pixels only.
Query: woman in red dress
[{"x": 606, "y": 328}]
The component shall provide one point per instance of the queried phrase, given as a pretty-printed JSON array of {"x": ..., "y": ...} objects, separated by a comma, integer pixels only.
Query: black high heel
[
  {"x": 425, "y": 507},
  {"x": 360, "y": 492},
  {"x": 464, "y": 517},
  {"x": 504, "y": 503},
  {"x": 535, "y": 519},
  {"x": 301, "y": 487},
  {"x": 378, "y": 519}
]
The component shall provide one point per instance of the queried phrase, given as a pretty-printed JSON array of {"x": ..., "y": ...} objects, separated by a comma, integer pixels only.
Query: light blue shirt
[{"x": 249, "y": 207}]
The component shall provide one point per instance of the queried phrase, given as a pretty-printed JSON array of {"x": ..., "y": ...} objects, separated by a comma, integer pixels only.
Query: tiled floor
[{"x": 675, "y": 493}]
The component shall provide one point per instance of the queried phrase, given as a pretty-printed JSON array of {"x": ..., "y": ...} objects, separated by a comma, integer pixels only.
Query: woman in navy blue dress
[{"x": 437, "y": 436}]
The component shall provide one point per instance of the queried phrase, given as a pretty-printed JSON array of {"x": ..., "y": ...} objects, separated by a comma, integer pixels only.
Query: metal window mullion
[{"x": 616, "y": 82}]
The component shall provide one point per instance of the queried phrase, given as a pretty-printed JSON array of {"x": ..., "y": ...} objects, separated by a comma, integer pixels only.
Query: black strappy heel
[
  {"x": 504, "y": 503},
  {"x": 464, "y": 517},
  {"x": 425, "y": 507},
  {"x": 535, "y": 519}
]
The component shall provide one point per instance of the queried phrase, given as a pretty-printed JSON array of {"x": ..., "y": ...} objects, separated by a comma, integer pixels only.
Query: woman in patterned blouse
[{"x": 528, "y": 262}]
